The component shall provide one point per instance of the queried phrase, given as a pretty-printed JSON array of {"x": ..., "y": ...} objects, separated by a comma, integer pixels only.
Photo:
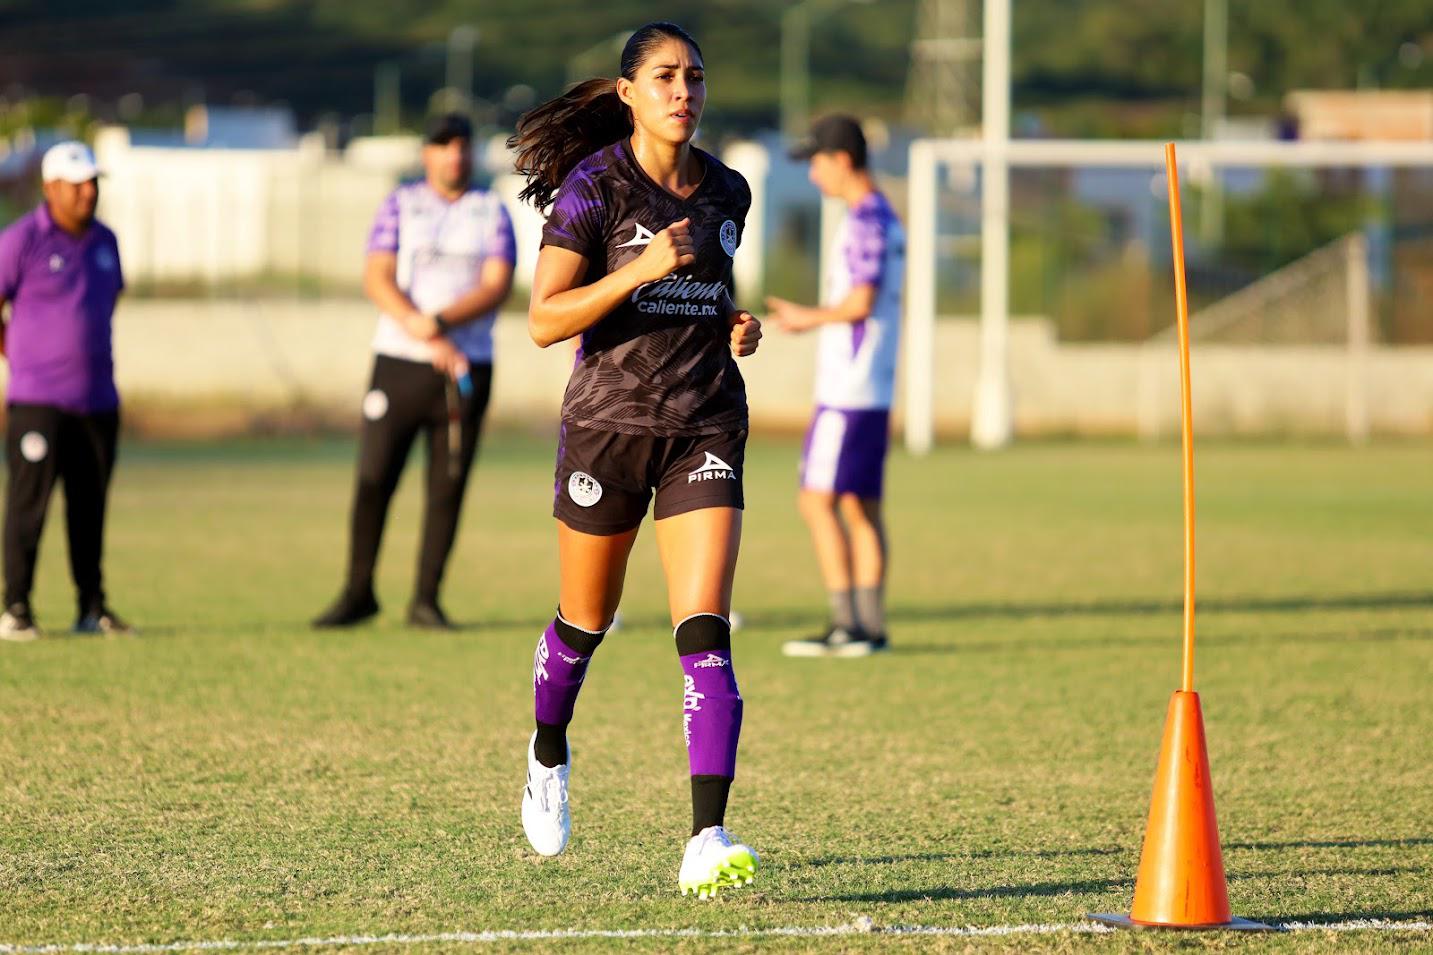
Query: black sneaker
[
  {"x": 428, "y": 615},
  {"x": 18, "y": 625},
  {"x": 835, "y": 642},
  {"x": 103, "y": 620},
  {"x": 348, "y": 610}
]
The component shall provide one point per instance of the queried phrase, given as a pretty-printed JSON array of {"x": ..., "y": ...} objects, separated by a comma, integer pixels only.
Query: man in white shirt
[{"x": 440, "y": 262}]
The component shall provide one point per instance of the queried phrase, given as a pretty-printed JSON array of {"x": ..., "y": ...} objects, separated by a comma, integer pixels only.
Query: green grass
[{"x": 231, "y": 774}]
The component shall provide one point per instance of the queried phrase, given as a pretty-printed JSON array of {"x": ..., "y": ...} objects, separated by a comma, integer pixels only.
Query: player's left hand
[
  {"x": 745, "y": 333},
  {"x": 446, "y": 358}
]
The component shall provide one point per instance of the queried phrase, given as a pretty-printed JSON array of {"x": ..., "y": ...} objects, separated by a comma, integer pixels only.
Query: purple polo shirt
[{"x": 62, "y": 291}]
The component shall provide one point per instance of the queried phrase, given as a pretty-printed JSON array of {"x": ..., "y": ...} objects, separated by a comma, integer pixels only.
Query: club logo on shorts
[
  {"x": 375, "y": 405},
  {"x": 583, "y": 489},
  {"x": 728, "y": 237},
  {"x": 34, "y": 447},
  {"x": 714, "y": 468}
]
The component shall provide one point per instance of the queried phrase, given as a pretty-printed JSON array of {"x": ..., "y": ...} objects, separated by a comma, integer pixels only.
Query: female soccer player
[{"x": 637, "y": 260}]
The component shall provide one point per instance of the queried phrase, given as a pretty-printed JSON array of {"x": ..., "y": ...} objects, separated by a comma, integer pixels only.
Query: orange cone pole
[{"x": 1181, "y": 881}]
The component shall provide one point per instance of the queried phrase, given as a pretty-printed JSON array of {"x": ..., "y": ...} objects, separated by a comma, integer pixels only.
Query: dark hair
[{"x": 553, "y": 137}]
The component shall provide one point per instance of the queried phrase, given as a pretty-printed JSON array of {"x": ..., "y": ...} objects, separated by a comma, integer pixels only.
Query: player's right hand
[{"x": 669, "y": 250}]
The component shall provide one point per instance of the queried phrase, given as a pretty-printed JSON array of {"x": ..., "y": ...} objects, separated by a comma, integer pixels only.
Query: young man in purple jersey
[
  {"x": 843, "y": 463},
  {"x": 60, "y": 274},
  {"x": 440, "y": 262},
  {"x": 636, "y": 260}
]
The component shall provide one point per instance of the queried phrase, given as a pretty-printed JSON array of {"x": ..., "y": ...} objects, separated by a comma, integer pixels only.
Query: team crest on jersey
[
  {"x": 57, "y": 262},
  {"x": 583, "y": 489},
  {"x": 728, "y": 237},
  {"x": 643, "y": 236}
]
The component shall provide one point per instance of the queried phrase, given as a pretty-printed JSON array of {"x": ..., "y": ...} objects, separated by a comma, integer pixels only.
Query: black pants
[
  {"x": 43, "y": 443},
  {"x": 404, "y": 399}
]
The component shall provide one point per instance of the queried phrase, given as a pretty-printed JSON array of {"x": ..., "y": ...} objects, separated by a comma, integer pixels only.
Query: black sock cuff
[
  {"x": 582, "y": 641},
  {"x": 703, "y": 633}
]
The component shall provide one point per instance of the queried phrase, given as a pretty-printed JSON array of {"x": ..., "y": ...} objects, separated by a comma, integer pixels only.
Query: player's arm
[
  {"x": 745, "y": 329},
  {"x": 380, "y": 284},
  {"x": 855, "y": 307},
  {"x": 494, "y": 286},
  {"x": 563, "y": 307}
]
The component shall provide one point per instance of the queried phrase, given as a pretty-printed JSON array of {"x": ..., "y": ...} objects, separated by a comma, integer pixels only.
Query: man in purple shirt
[{"x": 60, "y": 276}]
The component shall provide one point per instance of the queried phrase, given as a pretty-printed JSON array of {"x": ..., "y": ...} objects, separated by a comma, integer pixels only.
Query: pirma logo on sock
[
  {"x": 712, "y": 469},
  {"x": 712, "y": 662}
]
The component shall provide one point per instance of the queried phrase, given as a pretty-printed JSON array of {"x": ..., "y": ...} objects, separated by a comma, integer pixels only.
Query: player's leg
[
  {"x": 598, "y": 506},
  {"x": 698, "y": 529},
  {"x": 32, "y": 433},
  {"x": 86, "y": 460},
  {"x": 859, "y": 483},
  {"x": 816, "y": 502},
  {"x": 447, "y": 478},
  {"x": 393, "y": 411},
  {"x": 866, "y": 525}
]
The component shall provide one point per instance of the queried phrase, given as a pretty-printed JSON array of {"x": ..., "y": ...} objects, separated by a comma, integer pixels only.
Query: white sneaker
[
  {"x": 713, "y": 861},
  {"x": 545, "y": 818},
  {"x": 17, "y": 625}
]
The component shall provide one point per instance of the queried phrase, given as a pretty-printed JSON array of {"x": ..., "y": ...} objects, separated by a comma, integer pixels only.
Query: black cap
[
  {"x": 450, "y": 126},
  {"x": 834, "y": 134}
]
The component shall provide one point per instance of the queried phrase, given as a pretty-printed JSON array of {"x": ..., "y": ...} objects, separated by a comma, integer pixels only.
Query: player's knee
[
  {"x": 816, "y": 505},
  {"x": 859, "y": 512}
]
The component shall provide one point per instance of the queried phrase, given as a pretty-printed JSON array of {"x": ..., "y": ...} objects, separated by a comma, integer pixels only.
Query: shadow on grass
[
  {"x": 1085, "y": 887},
  {"x": 1333, "y": 918},
  {"x": 1331, "y": 844},
  {"x": 1020, "y": 610},
  {"x": 949, "y": 893},
  {"x": 954, "y": 856}
]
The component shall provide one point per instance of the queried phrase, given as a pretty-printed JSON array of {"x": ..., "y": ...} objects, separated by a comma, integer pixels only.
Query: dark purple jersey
[{"x": 661, "y": 362}]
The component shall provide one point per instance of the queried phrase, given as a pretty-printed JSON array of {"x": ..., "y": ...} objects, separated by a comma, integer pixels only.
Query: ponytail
[{"x": 552, "y": 138}]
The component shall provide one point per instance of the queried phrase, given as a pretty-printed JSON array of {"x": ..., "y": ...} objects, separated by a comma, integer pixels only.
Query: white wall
[{"x": 265, "y": 359}]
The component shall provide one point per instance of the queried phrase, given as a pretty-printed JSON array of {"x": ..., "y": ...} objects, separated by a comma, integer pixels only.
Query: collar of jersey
[{"x": 626, "y": 145}]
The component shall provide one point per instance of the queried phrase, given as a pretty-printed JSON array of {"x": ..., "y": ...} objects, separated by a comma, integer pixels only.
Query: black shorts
[{"x": 606, "y": 479}]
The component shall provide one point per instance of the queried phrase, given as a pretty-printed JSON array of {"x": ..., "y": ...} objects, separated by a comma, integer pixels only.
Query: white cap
[{"x": 69, "y": 161}]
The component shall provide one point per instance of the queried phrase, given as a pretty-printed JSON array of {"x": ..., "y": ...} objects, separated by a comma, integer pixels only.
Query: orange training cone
[
  {"x": 1181, "y": 872},
  {"x": 1181, "y": 880}
]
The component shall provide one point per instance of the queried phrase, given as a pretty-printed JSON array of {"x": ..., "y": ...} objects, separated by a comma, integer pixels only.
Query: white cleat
[
  {"x": 713, "y": 862},
  {"x": 545, "y": 818}
]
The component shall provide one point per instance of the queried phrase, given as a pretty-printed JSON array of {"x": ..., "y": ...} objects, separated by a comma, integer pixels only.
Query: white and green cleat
[{"x": 714, "y": 862}]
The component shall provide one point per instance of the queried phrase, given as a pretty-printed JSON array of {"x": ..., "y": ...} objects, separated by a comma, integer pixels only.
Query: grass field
[{"x": 232, "y": 775}]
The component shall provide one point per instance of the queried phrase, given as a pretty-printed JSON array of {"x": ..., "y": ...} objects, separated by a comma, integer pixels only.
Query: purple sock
[
  {"x": 558, "y": 670},
  {"x": 711, "y": 702}
]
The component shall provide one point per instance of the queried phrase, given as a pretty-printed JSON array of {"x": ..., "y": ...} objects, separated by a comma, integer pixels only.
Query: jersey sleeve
[
  {"x": 12, "y": 250},
  {"x": 501, "y": 241},
  {"x": 118, "y": 262},
  {"x": 384, "y": 235},
  {"x": 578, "y": 217},
  {"x": 866, "y": 249}
]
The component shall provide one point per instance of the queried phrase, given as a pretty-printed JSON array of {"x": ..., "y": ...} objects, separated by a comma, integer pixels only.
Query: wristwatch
[{"x": 441, "y": 323}]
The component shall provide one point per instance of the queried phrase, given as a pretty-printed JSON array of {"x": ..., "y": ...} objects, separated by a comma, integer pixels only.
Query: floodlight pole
[{"x": 992, "y": 421}]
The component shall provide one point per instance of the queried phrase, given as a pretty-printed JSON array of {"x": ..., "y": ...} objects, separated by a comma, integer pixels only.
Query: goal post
[{"x": 927, "y": 159}]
